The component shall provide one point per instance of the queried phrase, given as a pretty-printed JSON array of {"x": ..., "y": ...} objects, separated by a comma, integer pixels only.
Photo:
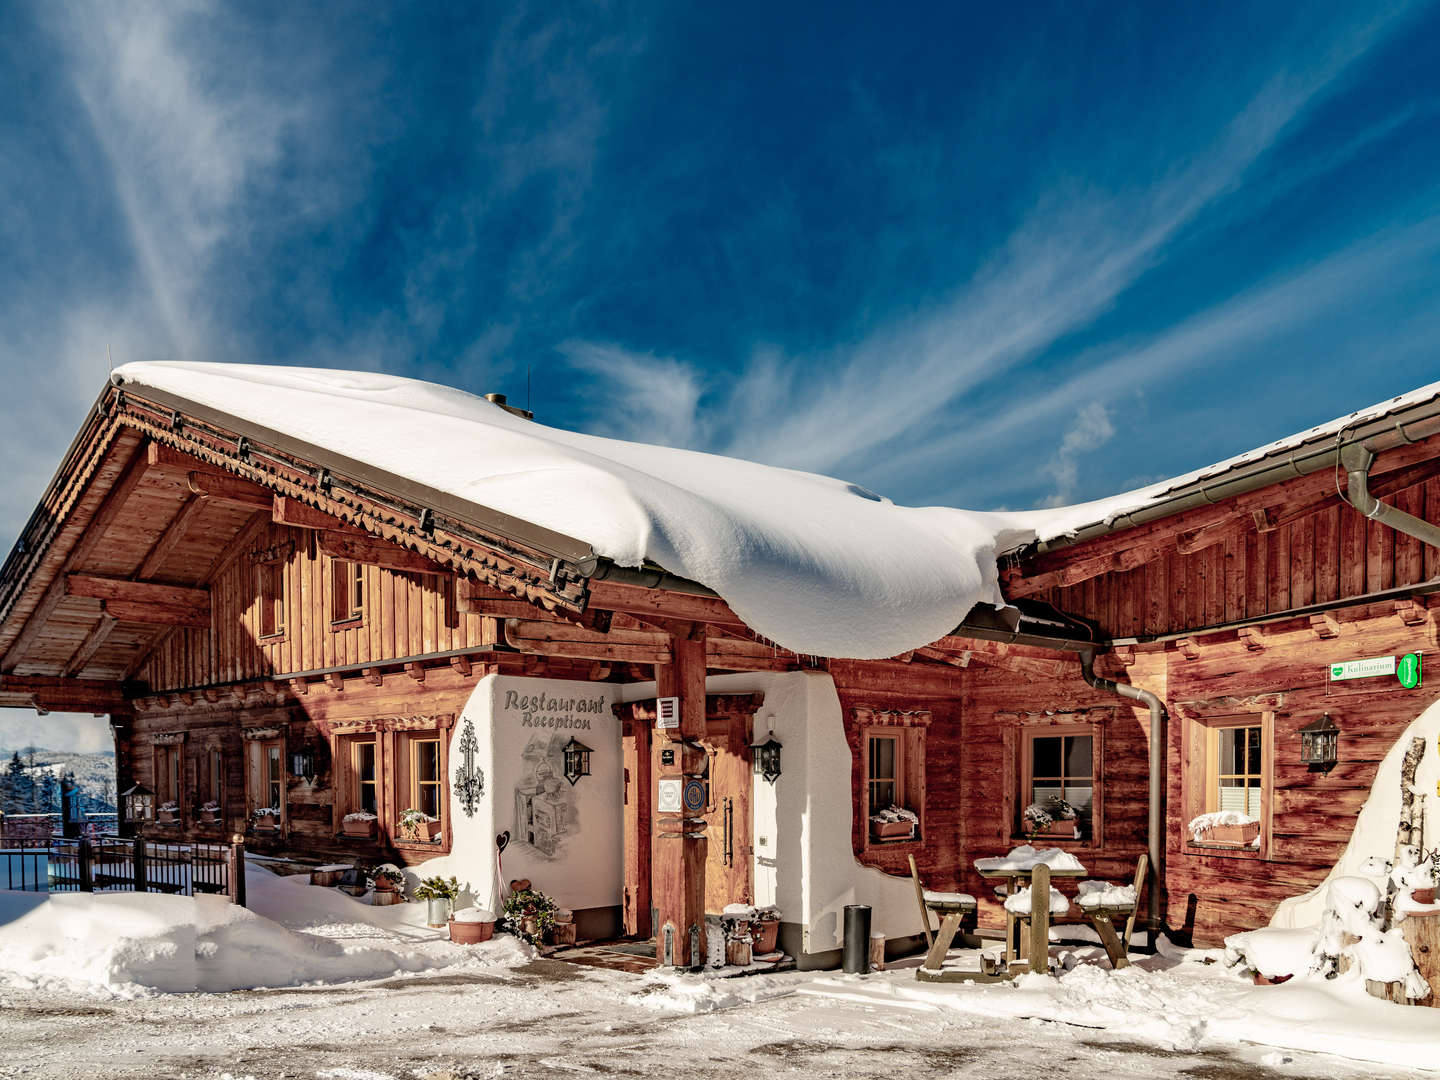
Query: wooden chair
[
  {"x": 952, "y": 908},
  {"x": 1117, "y": 947}
]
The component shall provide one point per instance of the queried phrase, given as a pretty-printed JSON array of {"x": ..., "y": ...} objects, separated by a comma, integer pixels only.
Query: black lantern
[
  {"x": 577, "y": 760},
  {"x": 302, "y": 763},
  {"x": 1320, "y": 742},
  {"x": 767, "y": 758},
  {"x": 139, "y": 804}
]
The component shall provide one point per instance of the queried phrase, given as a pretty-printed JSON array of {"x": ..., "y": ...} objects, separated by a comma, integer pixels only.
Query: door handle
[{"x": 729, "y": 832}]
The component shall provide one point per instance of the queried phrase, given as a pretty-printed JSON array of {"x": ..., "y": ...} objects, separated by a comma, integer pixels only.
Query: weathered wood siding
[{"x": 406, "y": 614}]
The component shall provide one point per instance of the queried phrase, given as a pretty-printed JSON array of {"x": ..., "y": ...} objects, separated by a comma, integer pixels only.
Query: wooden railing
[{"x": 109, "y": 863}]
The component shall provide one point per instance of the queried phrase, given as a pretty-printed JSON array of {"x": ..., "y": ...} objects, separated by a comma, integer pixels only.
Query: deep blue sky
[{"x": 974, "y": 256}]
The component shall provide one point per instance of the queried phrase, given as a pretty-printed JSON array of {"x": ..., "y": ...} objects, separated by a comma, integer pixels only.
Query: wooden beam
[
  {"x": 1252, "y": 637},
  {"x": 564, "y": 639},
  {"x": 634, "y": 600},
  {"x": 679, "y": 842},
  {"x": 334, "y": 680},
  {"x": 373, "y": 676},
  {"x": 137, "y": 611},
  {"x": 1411, "y": 612},
  {"x": 730, "y": 654},
  {"x": 461, "y": 664},
  {"x": 1022, "y": 660},
  {"x": 91, "y": 645},
  {"x": 143, "y": 601},
  {"x": 416, "y": 672},
  {"x": 63, "y": 694},
  {"x": 224, "y": 488},
  {"x": 170, "y": 539},
  {"x": 288, "y": 511},
  {"x": 1325, "y": 626},
  {"x": 299, "y": 687},
  {"x": 1189, "y": 648},
  {"x": 355, "y": 546}
]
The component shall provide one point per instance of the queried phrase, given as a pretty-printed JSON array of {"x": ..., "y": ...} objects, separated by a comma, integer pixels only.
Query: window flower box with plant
[
  {"x": 529, "y": 915},
  {"x": 418, "y": 827},
  {"x": 1231, "y": 828},
  {"x": 1053, "y": 817},
  {"x": 265, "y": 818},
  {"x": 894, "y": 823},
  {"x": 210, "y": 813},
  {"x": 168, "y": 813},
  {"x": 361, "y": 823}
]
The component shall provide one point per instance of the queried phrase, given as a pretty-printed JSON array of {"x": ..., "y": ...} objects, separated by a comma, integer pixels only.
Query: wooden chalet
[{"x": 269, "y": 624}]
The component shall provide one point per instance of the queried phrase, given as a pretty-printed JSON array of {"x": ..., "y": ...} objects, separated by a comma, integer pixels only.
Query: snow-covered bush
[
  {"x": 437, "y": 888},
  {"x": 413, "y": 819}
]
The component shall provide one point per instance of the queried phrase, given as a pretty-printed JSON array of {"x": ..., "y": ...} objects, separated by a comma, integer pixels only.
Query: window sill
[
  {"x": 272, "y": 639},
  {"x": 1224, "y": 851},
  {"x": 346, "y": 624}
]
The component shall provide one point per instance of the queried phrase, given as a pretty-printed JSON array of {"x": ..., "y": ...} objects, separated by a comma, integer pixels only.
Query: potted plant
[
  {"x": 439, "y": 893},
  {"x": 472, "y": 926},
  {"x": 529, "y": 915},
  {"x": 265, "y": 817},
  {"x": 1228, "y": 827},
  {"x": 168, "y": 813},
  {"x": 765, "y": 931},
  {"x": 418, "y": 827},
  {"x": 388, "y": 883},
  {"x": 893, "y": 823},
  {"x": 1053, "y": 817},
  {"x": 360, "y": 824},
  {"x": 210, "y": 813}
]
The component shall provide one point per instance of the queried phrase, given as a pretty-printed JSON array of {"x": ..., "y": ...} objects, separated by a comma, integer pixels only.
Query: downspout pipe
[
  {"x": 1155, "y": 843},
  {"x": 1356, "y": 460}
]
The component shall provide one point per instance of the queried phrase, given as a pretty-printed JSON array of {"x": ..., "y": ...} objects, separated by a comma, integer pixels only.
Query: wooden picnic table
[{"x": 1012, "y": 875}]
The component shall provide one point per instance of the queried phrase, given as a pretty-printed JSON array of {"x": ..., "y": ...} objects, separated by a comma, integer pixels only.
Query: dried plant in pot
[
  {"x": 1053, "y": 817},
  {"x": 893, "y": 823},
  {"x": 472, "y": 926},
  {"x": 210, "y": 813},
  {"x": 529, "y": 915},
  {"x": 439, "y": 893},
  {"x": 167, "y": 813},
  {"x": 265, "y": 818},
  {"x": 765, "y": 931},
  {"x": 418, "y": 827}
]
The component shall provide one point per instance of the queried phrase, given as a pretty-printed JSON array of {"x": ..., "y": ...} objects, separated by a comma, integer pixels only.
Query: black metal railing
[{"x": 109, "y": 863}]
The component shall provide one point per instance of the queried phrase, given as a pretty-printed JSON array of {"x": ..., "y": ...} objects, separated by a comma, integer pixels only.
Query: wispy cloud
[
  {"x": 652, "y": 399},
  {"x": 1090, "y": 430}
]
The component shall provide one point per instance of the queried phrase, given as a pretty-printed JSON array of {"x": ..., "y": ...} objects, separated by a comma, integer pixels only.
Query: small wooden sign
[{"x": 667, "y": 713}]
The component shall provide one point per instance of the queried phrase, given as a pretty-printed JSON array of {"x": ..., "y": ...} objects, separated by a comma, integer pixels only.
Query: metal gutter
[
  {"x": 1155, "y": 838},
  {"x": 1356, "y": 460},
  {"x": 1396, "y": 428}
]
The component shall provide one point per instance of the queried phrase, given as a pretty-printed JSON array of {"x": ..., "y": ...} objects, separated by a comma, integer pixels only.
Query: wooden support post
[
  {"x": 85, "y": 864},
  {"x": 235, "y": 872},
  {"x": 677, "y": 865},
  {"x": 137, "y": 862},
  {"x": 1040, "y": 920}
]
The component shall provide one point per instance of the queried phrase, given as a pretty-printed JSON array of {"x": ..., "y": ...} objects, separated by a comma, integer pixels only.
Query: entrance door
[{"x": 728, "y": 852}]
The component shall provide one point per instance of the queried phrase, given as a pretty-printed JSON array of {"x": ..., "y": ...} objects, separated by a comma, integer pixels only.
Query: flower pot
[
  {"x": 1231, "y": 834},
  {"x": 1063, "y": 827},
  {"x": 383, "y": 898},
  {"x": 267, "y": 821},
  {"x": 763, "y": 935},
  {"x": 385, "y": 885},
  {"x": 364, "y": 829},
  {"x": 210, "y": 817},
  {"x": 423, "y": 833},
  {"x": 1423, "y": 896},
  {"x": 471, "y": 933},
  {"x": 438, "y": 911},
  {"x": 167, "y": 817},
  {"x": 892, "y": 830}
]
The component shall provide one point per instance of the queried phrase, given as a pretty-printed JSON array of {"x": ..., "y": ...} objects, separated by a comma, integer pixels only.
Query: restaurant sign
[{"x": 1406, "y": 669}]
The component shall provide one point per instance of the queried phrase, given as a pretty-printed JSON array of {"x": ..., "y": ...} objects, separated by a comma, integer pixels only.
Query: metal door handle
[{"x": 729, "y": 831}]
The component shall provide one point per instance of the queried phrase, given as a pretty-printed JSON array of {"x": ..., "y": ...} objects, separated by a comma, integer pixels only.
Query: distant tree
[{"x": 16, "y": 787}]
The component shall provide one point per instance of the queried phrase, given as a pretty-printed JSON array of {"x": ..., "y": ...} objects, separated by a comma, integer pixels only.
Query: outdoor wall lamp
[
  {"x": 577, "y": 760},
  {"x": 1320, "y": 743},
  {"x": 767, "y": 758},
  {"x": 139, "y": 803},
  {"x": 302, "y": 763}
]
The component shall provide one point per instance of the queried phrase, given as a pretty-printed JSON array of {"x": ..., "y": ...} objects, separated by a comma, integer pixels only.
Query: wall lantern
[
  {"x": 139, "y": 804},
  {"x": 1320, "y": 742},
  {"x": 767, "y": 758},
  {"x": 577, "y": 760},
  {"x": 302, "y": 763}
]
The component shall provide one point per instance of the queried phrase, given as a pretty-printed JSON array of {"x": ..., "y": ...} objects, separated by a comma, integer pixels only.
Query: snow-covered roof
[{"x": 816, "y": 564}]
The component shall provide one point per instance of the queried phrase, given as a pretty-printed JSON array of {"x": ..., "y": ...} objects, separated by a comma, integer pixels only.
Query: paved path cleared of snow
[{"x": 545, "y": 1018}]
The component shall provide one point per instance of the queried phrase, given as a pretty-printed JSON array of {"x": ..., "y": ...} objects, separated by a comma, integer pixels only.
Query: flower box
[
  {"x": 891, "y": 830},
  {"x": 1239, "y": 835},
  {"x": 1061, "y": 827},
  {"x": 364, "y": 829},
  {"x": 211, "y": 817},
  {"x": 424, "y": 832},
  {"x": 167, "y": 817},
  {"x": 267, "y": 822}
]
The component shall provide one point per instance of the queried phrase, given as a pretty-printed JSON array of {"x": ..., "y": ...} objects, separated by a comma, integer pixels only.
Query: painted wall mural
[{"x": 545, "y": 805}]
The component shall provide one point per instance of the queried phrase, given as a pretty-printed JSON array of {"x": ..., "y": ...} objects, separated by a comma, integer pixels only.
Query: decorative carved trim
[
  {"x": 1100, "y": 714},
  {"x": 868, "y": 714},
  {"x": 167, "y": 738},
  {"x": 274, "y": 553},
  {"x": 717, "y": 706},
  {"x": 262, "y": 733},
  {"x": 442, "y": 721},
  {"x": 1198, "y": 708}
]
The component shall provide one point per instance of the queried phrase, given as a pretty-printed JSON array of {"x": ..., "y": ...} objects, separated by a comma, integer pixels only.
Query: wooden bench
[{"x": 951, "y": 908}]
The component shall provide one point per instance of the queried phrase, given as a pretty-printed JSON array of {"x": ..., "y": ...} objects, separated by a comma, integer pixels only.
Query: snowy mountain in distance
[{"x": 95, "y": 773}]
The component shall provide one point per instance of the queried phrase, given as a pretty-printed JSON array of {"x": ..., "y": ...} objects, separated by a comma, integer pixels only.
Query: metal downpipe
[
  {"x": 1155, "y": 841},
  {"x": 1356, "y": 460}
]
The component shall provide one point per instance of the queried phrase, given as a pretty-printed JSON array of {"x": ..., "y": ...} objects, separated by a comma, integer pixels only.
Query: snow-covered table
[{"x": 1021, "y": 865}]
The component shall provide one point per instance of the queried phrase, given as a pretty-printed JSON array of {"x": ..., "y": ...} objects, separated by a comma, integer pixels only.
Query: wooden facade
[{"x": 232, "y": 600}]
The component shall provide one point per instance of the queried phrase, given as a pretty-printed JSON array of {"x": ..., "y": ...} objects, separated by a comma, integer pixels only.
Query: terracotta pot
[
  {"x": 1423, "y": 896},
  {"x": 471, "y": 933},
  {"x": 358, "y": 828},
  {"x": 891, "y": 830},
  {"x": 1064, "y": 827},
  {"x": 763, "y": 934},
  {"x": 423, "y": 833},
  {"x": 1231, "y": 834},
  {"x": 385, "y": 885},
  {"x": 1265, "y": 980}
]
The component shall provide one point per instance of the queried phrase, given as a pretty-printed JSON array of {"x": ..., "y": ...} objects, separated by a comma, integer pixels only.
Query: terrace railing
[{"x": 109, "y": 863}]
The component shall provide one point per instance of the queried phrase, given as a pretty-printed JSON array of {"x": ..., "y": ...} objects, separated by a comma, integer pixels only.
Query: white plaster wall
[
  {"x": 1379, "y": 818},
  {"x": 585, "y": 869}
]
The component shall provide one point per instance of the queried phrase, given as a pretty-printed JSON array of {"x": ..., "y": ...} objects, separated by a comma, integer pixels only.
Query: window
[
  {"x": 365, "y": 791},
  {"x": 347, "y": 591},
  {"x": 1060, "y": 767},
  {"x": 265, "y": 775},
  {"x": 272, "y": 597},
  {"x": 425, "y": 777},
  {"x": 210, "y": 770},
  {"x": 892, "y": 748},
  {"x": 1229, "y": 772},
  {"x": 167, "y": 775}
]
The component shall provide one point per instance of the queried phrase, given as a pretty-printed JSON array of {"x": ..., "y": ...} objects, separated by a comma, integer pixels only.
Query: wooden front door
[{"x": 728, "y": 852}]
